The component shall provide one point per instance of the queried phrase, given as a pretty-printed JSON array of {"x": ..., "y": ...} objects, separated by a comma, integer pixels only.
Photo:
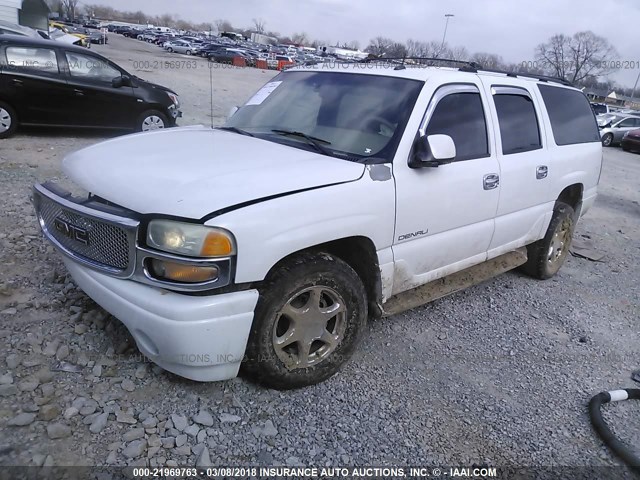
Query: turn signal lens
[
  {"x": 179, "y": 272},
  {"x": 216, "y": 244}
]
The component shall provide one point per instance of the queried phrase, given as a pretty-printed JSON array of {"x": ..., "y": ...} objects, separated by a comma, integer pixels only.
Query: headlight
[
  {"x": 174, "y": 99},
  {"x": 189, "y": 239}
]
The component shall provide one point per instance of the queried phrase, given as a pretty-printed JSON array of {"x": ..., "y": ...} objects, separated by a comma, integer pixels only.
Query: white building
[{"x": 30, "y": 13}]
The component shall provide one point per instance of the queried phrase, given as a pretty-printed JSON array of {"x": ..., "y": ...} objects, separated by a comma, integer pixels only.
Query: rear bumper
[{"x": 202, "y": 338}]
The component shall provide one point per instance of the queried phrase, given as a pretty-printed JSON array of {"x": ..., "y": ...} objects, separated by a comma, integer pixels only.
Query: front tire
[
  {"x": 8, "y": 120},
  {"x": 152, "y": 120},
  {"x": 308, "y": 321},
  {"x": 546, "y": 256},
  {"x": 607, "y": 140}
]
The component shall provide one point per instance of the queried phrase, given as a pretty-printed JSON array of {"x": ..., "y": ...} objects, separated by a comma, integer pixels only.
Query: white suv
[{"x": 332, "y": 195}]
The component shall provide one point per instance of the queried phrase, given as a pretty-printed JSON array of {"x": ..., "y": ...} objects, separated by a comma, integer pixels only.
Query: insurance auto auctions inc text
[{"x": 375, "y": 472}]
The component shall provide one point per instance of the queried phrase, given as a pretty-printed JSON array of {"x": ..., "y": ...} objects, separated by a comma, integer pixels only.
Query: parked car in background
[
  {"x": 60, "y": 36},
  {"x": 179, "y": 46},
  {"x": 75, "y": 31},
  {"x": 631, "y": 141},
  {"x": 612, "y": 132},
  {"x": 50, "y": 83},
  {"x": 226, "y": 55},
  {"x": 99, "y": 37},
  {"x": 15, "y": 29},
  {"x": 204, "y": 50}
]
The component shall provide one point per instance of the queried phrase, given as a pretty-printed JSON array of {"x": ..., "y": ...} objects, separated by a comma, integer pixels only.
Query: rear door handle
[
  {"x": 541, "y": 172},
  {"x": 491, "y": 181},
  {"x": 17, "y": 83},
  {"x": 78, "y": 92}
]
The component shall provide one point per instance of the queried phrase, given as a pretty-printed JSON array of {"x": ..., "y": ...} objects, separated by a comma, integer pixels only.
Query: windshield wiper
[
  {"x": 237, "y": 130},
  {"x": 314, "y": 141}
]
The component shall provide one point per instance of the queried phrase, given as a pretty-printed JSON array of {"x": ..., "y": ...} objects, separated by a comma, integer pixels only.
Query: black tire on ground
[
  {"x": 147, "y": 116},
  {"x": 8, "y": 120},
  {"x": 607, "y": 140},
  {"x": 546, "y": 256},
  {"x": 301, "y": 283},
  {"x": 170, "y": 50}
]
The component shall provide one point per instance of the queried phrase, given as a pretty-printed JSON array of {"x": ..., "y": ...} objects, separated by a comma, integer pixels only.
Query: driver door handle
[
  {"x": 541, "y": 172},
  {"x": 78, "y": 92},
  {"x": 491, "y": 181}
]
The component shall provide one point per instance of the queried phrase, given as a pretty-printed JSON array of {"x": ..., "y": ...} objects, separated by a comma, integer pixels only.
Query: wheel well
[
  {"x": 572, "y": 196},
  {"x": 360, "y": 254}
]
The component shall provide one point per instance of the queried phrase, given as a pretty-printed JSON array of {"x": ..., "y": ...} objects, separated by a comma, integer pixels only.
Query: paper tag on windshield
[{"x": 263, "y": 93}]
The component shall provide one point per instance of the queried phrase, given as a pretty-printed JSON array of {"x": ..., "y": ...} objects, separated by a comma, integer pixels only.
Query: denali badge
[{"x": 71, "y": 231}]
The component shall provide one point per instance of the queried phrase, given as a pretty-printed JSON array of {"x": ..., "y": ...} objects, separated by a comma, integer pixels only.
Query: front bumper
[{"x": 202, "y": 338}]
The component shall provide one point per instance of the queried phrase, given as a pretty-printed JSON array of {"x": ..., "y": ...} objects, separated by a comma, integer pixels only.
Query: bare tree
[
  {"x": 70, "y": 7},
  {"x": 416, "y": 48},
  {"x": 455, "y": 53},
  {"x": 575, "y": 58},
  {"x": 259, "y": 25},
  {"x": 487, "y": 60},
  {"x": 352, "y": 45},
  {"x": 379, "y": 46},
  {"x": 300, "y": 38},
  {"x": 224, "y": 26}
]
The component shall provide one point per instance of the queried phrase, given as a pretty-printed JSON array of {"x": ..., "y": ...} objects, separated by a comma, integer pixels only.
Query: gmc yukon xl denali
[{"x": 329, "y": 197}]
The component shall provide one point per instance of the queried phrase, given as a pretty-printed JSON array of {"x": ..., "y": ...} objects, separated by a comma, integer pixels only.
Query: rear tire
[
  {"x": 152, "y": 120},
  {"x": 546, "y": 256},
  {"x": 308, "y": 321},
  {"x": 8, "y": 120}
]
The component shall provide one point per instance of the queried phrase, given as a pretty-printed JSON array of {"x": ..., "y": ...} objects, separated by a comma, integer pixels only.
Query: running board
[{"x": 455, "y": 282}]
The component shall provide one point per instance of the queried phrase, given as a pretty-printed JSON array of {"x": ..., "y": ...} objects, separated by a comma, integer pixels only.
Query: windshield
[{"x": 353, "y": 116}]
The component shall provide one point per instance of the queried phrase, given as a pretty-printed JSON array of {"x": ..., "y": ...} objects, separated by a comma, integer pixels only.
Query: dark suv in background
[{"x": 43, "y": 82}]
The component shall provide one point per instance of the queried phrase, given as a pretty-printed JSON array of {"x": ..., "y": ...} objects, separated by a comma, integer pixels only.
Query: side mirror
[
  {"x": 433, "y": 151},
  {"x": 122, "y": 81},
  {"x": 232, "y": 111}
]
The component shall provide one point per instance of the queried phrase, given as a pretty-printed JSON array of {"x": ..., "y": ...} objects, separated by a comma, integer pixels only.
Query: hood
[
  {"x": 193, "y": 171},
  {"x": 142, "y": 81}
]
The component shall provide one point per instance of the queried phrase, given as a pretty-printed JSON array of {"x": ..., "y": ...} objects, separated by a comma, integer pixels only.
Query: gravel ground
[{"x": 499, "y": 374}]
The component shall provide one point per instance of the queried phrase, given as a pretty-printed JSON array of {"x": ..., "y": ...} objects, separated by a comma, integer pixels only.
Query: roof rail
[
  {"x": 467, "y": 66},
  {"x": 430, "y": 60},
  {"x": 542, "y": 78}
]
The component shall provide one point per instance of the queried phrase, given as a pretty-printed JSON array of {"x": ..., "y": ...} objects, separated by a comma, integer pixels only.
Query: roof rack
[
  {"x": 542, "y": 78},
  {"x": 471, "y": 67},
  {"x": 402, "y": 60}
]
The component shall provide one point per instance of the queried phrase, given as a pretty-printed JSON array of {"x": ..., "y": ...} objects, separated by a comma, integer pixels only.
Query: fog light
[{"x": 179, "y": 272}]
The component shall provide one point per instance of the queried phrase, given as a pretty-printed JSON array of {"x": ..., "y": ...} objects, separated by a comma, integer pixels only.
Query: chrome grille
[{"x": 104, "y": 244}]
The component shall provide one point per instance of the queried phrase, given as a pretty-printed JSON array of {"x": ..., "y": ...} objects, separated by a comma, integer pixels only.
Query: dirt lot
[{"x": 499, "y": 374}]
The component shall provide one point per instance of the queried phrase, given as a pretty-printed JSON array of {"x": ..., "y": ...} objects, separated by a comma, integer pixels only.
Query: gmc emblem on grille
[{"x": 71, "y": 231}]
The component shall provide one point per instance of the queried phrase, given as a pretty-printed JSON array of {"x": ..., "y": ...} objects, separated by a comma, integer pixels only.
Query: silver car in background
[
  {"x": 180, "y": 46},
  {"x": 613, "y": 127}
]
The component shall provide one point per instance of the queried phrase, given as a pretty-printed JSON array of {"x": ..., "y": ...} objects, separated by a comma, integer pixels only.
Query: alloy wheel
[{"x": 309, "y": 327}]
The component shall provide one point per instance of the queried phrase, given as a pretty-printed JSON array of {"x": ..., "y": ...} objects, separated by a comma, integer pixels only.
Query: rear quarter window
[{"x": 571, "y": 116}]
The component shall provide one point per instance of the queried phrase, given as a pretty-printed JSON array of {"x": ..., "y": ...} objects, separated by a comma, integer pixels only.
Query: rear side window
[
  {"x": 32, "y": 58},
  {"x": 572, "y": 119},
  {"x": 461, "y": 116},
  {"x": 518, "y": 123}
]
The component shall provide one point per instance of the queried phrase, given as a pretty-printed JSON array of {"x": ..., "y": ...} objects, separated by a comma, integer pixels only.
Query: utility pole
[
  {"x": 447, "y": 16},
  {"x": 633, "y": 92}
]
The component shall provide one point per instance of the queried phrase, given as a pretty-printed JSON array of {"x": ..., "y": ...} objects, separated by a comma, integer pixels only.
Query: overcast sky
[{"x": 510, "y": 28}]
